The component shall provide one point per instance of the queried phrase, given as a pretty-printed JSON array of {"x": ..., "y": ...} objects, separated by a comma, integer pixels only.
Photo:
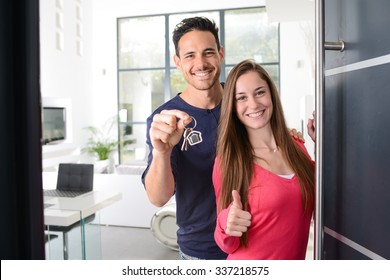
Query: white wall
[
  {"x": 91, "y": 81},
  {"x": 297, "y": 60},
  {"x": 297, "y": 75},
  {"x": 65, "y": 74}
]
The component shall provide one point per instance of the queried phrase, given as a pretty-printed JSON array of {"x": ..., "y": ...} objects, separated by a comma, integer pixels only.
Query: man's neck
[{"x": 204, "y": 99}]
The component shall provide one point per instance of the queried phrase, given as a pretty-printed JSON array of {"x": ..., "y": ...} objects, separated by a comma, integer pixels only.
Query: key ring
[
  {"x": 193, "y": 119},
  {"x": 191, "y": 136}
]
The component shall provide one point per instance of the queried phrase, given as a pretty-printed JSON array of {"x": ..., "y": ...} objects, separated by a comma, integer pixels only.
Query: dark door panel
[
  {"x": 362, "y": 24},
  {"x": 357, "y": 131}
]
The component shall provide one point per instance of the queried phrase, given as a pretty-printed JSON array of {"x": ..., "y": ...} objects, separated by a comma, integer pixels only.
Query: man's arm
[
  {"x": 165, "y": 132},
  {"x": 159, "y": 181}
]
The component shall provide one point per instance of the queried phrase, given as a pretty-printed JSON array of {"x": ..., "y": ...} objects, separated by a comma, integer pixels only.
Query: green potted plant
[{"x": 101, "y": 143}]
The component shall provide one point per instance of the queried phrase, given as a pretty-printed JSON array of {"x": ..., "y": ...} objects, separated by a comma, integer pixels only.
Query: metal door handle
[
  {"x": 334, "y": 46},
  {"x": 319, "y": 57}
]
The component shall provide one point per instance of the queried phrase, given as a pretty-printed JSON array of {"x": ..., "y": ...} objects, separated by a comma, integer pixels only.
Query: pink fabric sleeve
[
  {"x": 227, "y": 243},
  {"x": 302, "y": 146}
]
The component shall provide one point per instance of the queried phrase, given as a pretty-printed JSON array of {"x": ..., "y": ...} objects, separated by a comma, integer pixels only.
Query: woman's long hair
[{"x": 236, "y": 153}]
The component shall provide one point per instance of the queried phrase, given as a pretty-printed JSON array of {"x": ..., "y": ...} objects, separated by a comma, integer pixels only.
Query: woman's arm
[{"x": 226, "y": 242}]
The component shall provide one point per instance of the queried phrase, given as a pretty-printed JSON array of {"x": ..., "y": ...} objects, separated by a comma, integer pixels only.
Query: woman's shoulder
[
  {"x": 299, "y": 142},
  {"x": 301, "y": 145}
]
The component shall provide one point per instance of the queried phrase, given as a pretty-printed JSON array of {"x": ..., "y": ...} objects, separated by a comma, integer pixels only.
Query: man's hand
[
  {"x": 167, "y": 129},
  {"x": 238, "y": 220},
  {"x": 296, "y": 134}
]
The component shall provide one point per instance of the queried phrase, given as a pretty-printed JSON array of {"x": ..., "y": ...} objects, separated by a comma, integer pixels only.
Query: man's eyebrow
[{"x": 189, "y": 52}]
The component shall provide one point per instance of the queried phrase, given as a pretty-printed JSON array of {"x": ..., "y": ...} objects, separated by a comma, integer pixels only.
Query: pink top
[{"x": 279, "y": 227}]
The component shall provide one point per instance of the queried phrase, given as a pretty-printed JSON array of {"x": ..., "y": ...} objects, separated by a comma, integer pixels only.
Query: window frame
[{"x": 168, "y": 68}]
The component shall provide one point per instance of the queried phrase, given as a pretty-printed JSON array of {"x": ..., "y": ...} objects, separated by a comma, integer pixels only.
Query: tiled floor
[
  {"x": 126, "y": 243},
  {"x": 122, "y": 243}
]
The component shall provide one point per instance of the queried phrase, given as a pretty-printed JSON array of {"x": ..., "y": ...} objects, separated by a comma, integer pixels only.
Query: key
[{"x": 187, "y": 132}]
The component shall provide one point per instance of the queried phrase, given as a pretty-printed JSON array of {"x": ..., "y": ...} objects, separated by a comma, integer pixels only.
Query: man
[
  {"x": 187, "y": 173},
  {"x": 185, "y": 169}
]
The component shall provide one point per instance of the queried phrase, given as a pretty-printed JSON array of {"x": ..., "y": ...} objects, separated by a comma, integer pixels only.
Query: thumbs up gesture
[{"x": 238, "y": 220}]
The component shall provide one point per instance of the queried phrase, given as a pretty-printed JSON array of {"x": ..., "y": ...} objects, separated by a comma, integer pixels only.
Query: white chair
[{"x": 164, "y": 227}]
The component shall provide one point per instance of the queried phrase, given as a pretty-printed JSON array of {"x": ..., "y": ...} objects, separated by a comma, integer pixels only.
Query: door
[
  {"x": 21, "y": 200},
  {"x": 354, "y": 150}
]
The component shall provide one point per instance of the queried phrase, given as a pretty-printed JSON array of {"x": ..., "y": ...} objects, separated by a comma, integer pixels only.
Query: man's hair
[{"x": 194, "y": 23}]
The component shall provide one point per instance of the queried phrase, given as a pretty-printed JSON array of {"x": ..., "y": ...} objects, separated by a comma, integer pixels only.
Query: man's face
[{"x": 200, "y": 61}]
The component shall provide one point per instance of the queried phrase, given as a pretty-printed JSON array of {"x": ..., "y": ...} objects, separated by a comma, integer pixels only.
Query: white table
[{"x": 65, "y": 211}]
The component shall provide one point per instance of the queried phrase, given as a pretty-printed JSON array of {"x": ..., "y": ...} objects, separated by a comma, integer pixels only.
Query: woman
[{"x": 263, "y": 177}]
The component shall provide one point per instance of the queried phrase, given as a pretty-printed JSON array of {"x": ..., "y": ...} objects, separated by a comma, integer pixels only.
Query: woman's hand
[
  {"x": 238, "y": 220},
  {"x": 311, "y": 127}
]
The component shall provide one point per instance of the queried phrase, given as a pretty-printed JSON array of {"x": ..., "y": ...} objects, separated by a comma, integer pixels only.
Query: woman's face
[{"x": 253, "y": 101}]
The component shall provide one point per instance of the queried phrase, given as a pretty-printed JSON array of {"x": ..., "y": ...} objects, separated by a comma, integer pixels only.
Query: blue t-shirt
[{"x": 192, "y": 170}]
